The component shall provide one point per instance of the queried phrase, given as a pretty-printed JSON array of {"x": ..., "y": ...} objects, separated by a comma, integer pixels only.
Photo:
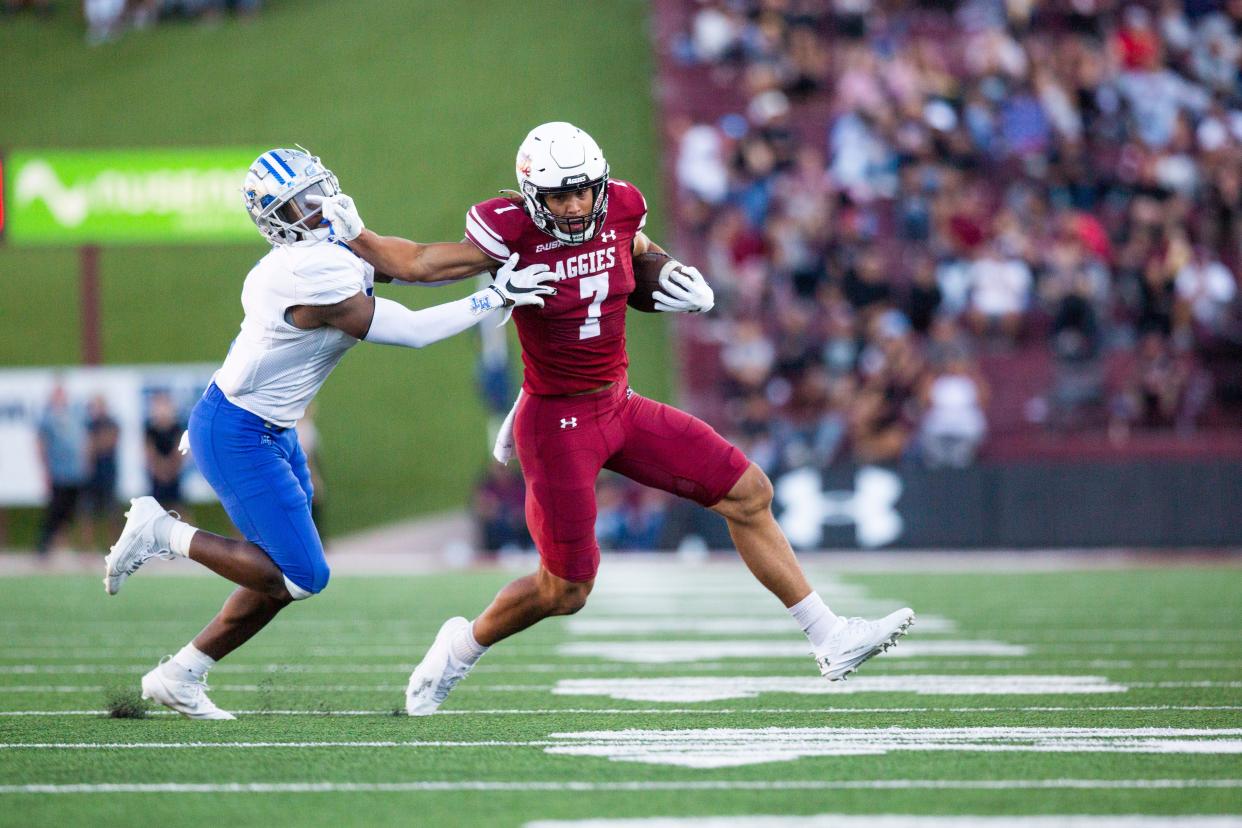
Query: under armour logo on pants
[{"x": 572, "y": 422}]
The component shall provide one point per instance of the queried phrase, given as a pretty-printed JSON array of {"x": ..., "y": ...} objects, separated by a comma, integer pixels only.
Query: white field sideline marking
[
  {"x": 716, "y": 626},
  {"x": 1205, "y": 640},
  {"x": 735, "y": 747},
  {"x": 700, "y": 689},
  {"x": 500, "y": 668},
  {"x": 892, "y": 660},
  {"x": 682, "y": 711},
  {"x": 577, "y": 787},
  {"x": 695, "y": 689},
  {"x": 898, "y": 821},
  {"x": 675, "y": 652}
]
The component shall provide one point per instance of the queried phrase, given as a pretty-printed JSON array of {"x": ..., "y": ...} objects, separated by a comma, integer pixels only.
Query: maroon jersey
[{"x": 576, "y": 341}]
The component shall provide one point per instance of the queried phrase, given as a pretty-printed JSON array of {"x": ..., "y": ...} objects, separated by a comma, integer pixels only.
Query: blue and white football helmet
[{"x": 275, "y": 191}]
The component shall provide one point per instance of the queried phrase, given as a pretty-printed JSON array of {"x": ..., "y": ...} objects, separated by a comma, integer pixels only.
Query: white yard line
[
  {"x": 734, "y": 747},
  {"x": 711, "y": 748},
  {"x": 645, "y": 785},
  {"x": 682, "y": 711},
  {"x": 710, "y": 688},
  {"x": 893, "y": 660},
  {"x": 680, "y": 652},
  {"x": 593, "y": 624}
]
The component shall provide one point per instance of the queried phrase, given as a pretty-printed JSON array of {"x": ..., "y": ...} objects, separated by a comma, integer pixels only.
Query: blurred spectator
[
  {"x": 105, "y": 20},
  {"x": 42, "y": 8},
  {"x": 1162, "y": 390},
  {"x": 1205, "y": 293},
  {"x": 953, "y": 424},
  {"x": 103, "y": 434},
  {"x": 629, "y": 517},
  {"x": 64, "y": 452},
  {"x": 499, "y": 508},
  {"x": 164, "y": 461},
  {"x": 1000, "y": 293}
]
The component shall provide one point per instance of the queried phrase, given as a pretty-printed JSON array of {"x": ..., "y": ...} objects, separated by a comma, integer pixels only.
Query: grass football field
[{"x": 681, "y": 693}]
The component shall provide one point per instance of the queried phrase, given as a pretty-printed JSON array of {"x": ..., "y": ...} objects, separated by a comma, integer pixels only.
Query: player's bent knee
[
  {"x": 750, "y": 496},
  {"x": 296, "y": 592},
  {"x": 316, "y": 585},
  {"x": 569, "y": 597}
]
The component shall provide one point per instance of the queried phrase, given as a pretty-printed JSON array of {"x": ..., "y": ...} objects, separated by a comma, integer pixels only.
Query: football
[{"x": 647, "y": 268}]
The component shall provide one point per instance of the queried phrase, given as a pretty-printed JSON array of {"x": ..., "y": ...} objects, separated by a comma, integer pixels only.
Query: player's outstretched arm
[
  {"x": 397, "y": 257},
  {"x": 385, "y": 322}
]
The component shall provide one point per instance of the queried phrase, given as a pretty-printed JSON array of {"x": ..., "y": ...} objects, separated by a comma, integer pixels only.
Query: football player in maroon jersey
[{"x": 577, "y": 415}]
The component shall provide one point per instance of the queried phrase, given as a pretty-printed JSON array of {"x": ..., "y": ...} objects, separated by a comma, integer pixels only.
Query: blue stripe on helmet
[
  {"x": 282, "y": 163},
  {"x": 271, "y": 169}
]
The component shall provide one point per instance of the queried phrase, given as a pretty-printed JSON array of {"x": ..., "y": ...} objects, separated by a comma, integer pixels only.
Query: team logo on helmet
[{"x": 523, "y": 165}]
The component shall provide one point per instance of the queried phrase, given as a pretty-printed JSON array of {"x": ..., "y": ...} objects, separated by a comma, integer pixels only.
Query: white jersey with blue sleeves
[{"x": 274, "y": 369}]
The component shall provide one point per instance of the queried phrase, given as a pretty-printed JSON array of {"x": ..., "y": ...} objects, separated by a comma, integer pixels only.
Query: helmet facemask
[
  {"x": 276, "y": 190},
  {"x": 575, "y": 230}
]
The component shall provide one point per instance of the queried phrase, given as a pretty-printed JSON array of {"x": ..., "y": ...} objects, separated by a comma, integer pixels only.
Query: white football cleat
[
  {"x": 437, "y": 673},
  {"x": 187, "y": 697},
  {"x": 137, "y": 543},
  {"x": 854, "y": 640}
]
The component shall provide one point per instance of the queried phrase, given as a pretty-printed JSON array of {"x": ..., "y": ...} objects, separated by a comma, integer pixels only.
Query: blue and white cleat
[
  {"x": 138, "y": 543},
  {"x": 854, "y": 640},
  {"x": 438, "y": 672}
]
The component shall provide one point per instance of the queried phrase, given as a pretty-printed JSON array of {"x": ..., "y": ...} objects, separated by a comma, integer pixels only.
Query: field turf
[{"x": 679, "y": 692}]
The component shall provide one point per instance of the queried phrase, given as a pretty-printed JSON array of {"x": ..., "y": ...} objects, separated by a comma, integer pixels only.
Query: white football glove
[
  {"x": 684, "y": 290},
  {"x": 341, "y": 214},
  {"x": 527, "y": 286}
]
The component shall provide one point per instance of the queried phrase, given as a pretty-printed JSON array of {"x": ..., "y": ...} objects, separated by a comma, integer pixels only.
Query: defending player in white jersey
[{"x": 307, "y": 302}]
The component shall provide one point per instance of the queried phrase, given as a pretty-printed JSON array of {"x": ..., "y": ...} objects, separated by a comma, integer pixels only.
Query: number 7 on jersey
[{"x": 594, "y": 288}]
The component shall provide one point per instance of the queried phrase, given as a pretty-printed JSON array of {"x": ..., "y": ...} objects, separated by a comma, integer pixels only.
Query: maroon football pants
[{"x": 563, "y": 442}]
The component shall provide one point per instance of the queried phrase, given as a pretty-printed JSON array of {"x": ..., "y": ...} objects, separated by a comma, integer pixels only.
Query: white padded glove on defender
[
  {"x": 684, "y": 290},
  {"x": 506, "y": 446},
  {"x": 527, "y": 286},
  {"x": 339, "y": 211}
]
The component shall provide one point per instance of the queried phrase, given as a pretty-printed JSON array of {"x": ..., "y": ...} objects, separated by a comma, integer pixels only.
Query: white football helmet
[
  {"x": 275, "y": 191},
  {"x": 558, "y": 157}
]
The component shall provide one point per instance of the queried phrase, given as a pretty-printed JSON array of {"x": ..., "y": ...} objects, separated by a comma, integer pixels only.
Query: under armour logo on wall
[
  {"x": 572, "y": 422},
  {"x": 871, "y": 507}
]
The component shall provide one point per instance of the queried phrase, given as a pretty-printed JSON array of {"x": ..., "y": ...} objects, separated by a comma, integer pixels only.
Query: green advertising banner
[{"x": 156, "y": 196}]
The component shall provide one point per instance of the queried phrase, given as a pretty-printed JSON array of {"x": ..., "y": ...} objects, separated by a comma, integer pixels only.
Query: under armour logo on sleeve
[{"x": 572, "y": 422}]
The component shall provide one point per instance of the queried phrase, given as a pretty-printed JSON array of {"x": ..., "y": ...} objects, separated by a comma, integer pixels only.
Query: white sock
[
  {"x": 175, "y": 533},
  {"x": 814, "y": 617},
  {"x": 465, "y": 648},
  {"x": 190, "y": 663}
]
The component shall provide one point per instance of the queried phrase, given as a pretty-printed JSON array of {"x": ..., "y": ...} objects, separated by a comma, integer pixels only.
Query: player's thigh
[
  {"x": 301, "y": 468},
  {"x": 250, "y": 469},
  {"x": 668, "y": 449},
  {"x": 560, "y": 466}
]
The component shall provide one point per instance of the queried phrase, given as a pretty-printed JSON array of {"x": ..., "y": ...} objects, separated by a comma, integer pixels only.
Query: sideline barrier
[{"x": 1016, "y": 505}]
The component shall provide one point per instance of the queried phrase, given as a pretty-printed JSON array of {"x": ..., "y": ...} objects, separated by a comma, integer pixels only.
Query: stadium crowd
[
  {"x": 887, "y": 196},
  {"x": 902, "y": 189},
  {"x": 108, "y": 20}
]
